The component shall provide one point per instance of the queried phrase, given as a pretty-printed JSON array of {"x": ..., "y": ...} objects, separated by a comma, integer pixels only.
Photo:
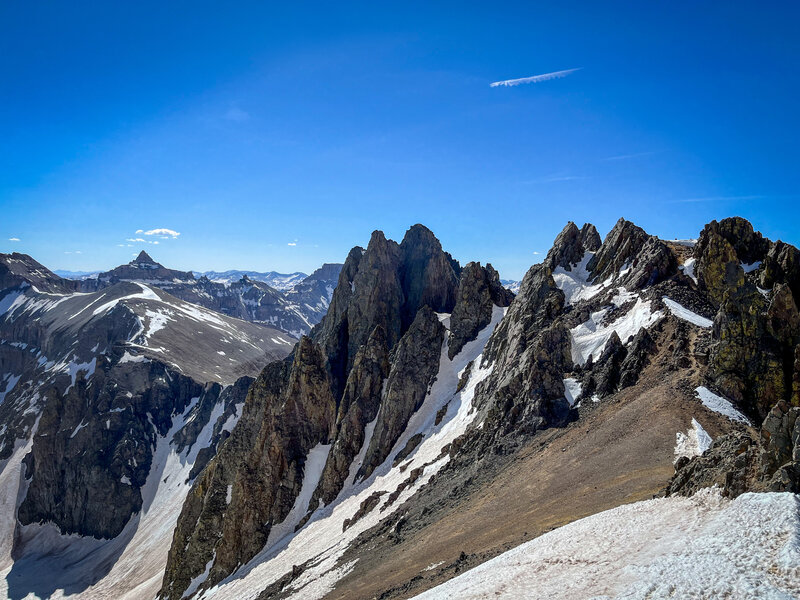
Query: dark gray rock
[{"x": 478, "y": 292}]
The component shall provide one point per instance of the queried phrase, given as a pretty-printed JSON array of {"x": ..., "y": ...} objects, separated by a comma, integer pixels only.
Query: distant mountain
[
  {"x": 99, "y": 385},
  {"x": 279, "y": 281},
  {"x": 76, "y": 274},
  {"x": 511, "y": 285},
  {"x": 295, "y": 309}
]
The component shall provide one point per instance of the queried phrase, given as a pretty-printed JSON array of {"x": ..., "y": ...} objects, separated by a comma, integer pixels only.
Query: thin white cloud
[
  {"x": 15, "y": 239},
  {"x": 536, "y": 252},
  {"x": 73, "y": 252},
  {"x": 292, "y": 244},
  {"x": 628, "y": 156},
  {"x": 237, "y": 115},
  {"x": 534, "y": 78},
  {"x": 134, "y": 240},
  {"x": 161, "y": 231}
]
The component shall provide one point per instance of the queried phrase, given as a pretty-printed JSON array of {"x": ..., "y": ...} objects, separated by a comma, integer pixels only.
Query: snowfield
[{"x": 699, "y": 547}]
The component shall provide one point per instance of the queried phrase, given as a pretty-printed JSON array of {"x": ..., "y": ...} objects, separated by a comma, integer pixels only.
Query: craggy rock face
[
  {"x": 478, "y": 291},
  {"x": 742, "y": 462},
  {"x": 385, "y": 302}
]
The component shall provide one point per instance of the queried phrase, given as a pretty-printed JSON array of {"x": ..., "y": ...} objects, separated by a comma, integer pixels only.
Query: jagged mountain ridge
[
  {"x": 542, "y": 362},
  {"x": 297, "y": 306},
  {"x": 585, "y": 378}
]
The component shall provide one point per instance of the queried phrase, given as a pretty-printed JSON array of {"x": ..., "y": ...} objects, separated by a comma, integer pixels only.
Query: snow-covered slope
[{"x": 699, "y": 547}]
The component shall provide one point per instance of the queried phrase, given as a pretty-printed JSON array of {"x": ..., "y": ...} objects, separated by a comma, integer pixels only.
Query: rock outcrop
[
  {"x": 478, "y": 291},
  {"x": 743, "y": 461}
]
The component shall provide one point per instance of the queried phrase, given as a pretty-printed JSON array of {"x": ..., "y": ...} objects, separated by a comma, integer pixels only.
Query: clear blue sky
[{"x": 250, "y": 126}]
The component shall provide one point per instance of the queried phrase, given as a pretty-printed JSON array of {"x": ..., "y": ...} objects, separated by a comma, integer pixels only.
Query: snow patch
[
  {"x": 575, "y": 283},
  {"x": 572, "y": 389},
  {"x": 589, "y": 338},
  {"x": 720, "y": 405},
  {"x": 692, "y": 443},
  {"x": 685, "y": 314},
  {"x": 688, "y": 267}
]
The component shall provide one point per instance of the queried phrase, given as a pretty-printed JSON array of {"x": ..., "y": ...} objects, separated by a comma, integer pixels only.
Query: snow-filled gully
[{"x": 321, "y": 542}]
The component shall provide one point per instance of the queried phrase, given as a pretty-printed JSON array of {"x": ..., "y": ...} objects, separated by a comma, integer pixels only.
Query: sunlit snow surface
[
  {"x": 719, "y": 404},
  {"x": 692, "y": 443},
  {"x": 700, "y": 547},
  {"x": 322, "y": 539},
  {"x": 684, "y": 313},
  {"x": 589, "y": 338}
]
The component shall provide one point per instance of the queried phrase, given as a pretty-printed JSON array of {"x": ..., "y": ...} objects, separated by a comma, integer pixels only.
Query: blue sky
[{"x": 276, "y": 137}]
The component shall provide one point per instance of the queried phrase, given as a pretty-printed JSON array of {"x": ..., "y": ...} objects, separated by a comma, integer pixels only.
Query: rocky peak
[
  {"x": 144, "y": 261},
  {"x": 571, "y": 244},
  {"x": 782, "y": 263},
  {"x": 385, "y": 285},
  {"x": 633, "y": 257},
  {"x": 479, "y": 290},
  {"x": 17, "y": 268},
  {"x": 621, "y": 244},
  {"x": 428, "y": 275}
]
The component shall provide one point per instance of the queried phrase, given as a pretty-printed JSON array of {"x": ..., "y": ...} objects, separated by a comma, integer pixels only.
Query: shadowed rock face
[
  {"x": 414, "y": 365},
  {"x": 478, "y": 291},
  {"x": 384, "y": 286}
]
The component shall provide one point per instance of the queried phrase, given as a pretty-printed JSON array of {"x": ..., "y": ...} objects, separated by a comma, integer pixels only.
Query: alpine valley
[{"x": 622, "y": 423}]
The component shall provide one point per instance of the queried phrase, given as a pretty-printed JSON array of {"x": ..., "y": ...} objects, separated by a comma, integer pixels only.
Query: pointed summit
[{"x": 143, "y": 257}]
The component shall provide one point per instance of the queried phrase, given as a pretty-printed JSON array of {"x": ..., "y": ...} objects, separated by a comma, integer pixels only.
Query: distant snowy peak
[
  {"x": 511, "y": 285},
  {"x": 279, "y": 281}
]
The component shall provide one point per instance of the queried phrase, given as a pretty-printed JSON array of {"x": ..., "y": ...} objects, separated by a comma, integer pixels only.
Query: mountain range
[
  {"x": 292, "y": 303},
  {"x": 624, "y": 425}
]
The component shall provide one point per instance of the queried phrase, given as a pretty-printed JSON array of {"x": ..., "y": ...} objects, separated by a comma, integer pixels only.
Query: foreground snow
[{"x": 700, "y": 547}]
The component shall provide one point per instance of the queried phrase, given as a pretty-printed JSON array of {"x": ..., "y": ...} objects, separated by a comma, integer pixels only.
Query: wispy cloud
[
  {"x": 14, "y": 239},
  {"x": 536, "y": 252},
  {"x": 73, "y": 252},
  {"x": 135, "y": 240},
  {"x": 534, "y": 78},
  {"x": 555, "y": 177},
  {"x": 292, "y": 244},
  {"x": 628, "y": 156}
]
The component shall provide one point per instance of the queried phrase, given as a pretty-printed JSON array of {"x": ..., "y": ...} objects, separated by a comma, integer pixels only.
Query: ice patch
[
  {"x": 685, "y": 314},
  {"x": 692, "y": 443},
  {"x": 720, "y": 405}
]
